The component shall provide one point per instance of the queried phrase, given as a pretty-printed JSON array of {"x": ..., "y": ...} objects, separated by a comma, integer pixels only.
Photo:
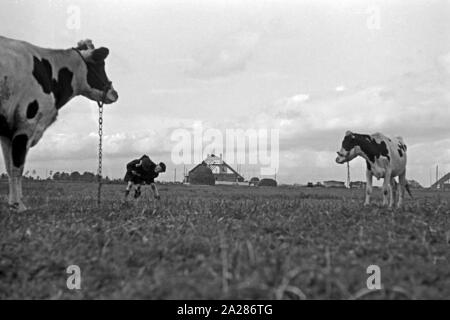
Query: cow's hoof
[{"x": 17, "y": 207}]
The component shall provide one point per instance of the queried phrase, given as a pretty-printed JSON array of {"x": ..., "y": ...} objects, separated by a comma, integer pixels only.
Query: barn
[
  {"x": 443, "y": 183},
  {"x": 221, "y": 171},
  {"x": 357, "y": 185},
  {"x": 334, "y": 184}
]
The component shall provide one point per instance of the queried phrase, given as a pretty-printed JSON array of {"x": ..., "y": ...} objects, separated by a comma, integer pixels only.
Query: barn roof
[
  {"x": 212, "y": 161},
  {"x": 441, "y": 180}
]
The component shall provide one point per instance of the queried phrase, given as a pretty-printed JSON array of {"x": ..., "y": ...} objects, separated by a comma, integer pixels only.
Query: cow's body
[
  {"x": 34, "y": 84},
  {"x": 385, "y": 158}
]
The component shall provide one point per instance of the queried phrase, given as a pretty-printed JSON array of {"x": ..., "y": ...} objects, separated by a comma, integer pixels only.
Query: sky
[{"x": 310, "y": 69}]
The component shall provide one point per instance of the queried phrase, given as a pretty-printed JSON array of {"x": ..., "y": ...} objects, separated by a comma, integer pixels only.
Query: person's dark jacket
[{"x": 142, "y": 174}]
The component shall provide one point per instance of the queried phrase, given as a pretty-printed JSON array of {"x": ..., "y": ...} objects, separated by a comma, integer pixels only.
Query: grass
[{"x": 222, "y": 242}]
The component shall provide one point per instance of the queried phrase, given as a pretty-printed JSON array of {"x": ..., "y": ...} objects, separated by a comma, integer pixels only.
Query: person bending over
[{"x": 142, "y": 171}]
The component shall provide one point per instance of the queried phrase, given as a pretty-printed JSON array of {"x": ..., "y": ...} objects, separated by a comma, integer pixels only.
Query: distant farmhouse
[
  {"x": 357, "y": 185},
  {"x": 221, "y": 171},
  {"x": 334, "y": 184},
  {"x": 443, "y": 183},
  {"x": 414, "y": 184}
]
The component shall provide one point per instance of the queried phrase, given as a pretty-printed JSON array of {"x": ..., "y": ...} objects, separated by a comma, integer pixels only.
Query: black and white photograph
[{"x": 243, "y": 151}]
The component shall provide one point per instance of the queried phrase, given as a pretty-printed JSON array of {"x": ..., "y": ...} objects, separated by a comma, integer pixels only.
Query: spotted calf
[
  {"x": 385, "y": 158},
  {"x": 34, "y": 84}
]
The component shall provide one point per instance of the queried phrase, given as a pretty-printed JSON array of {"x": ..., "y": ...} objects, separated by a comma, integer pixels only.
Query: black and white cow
[
  {"x": 34, "y": 84},
  {"x": 385, "y": 158}
]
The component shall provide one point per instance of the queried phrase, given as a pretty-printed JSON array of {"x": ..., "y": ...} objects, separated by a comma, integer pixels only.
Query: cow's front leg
[
  {"x": 18, "y": 154},
  {"x": 368, "y": 187},
  {"x": 387, "y": 190}
]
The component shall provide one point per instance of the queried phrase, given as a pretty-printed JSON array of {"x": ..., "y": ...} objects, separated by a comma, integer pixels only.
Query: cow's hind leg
[
  {"x": 387, "y": 190},
  {"x": 368, "y": 187},
  {"x": 7, "y": 156},
  {"x": 401, "y": 189},
  {"x": 393, "y": 190},
  {"x": 19, "y": 151}
]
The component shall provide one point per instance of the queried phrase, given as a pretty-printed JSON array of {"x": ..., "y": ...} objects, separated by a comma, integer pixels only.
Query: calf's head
[
  {"x": 95, "y": 83},
  {"x": 349, "y": 149}
]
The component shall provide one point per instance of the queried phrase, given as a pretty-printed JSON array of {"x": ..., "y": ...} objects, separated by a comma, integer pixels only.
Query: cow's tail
[{"x": 409, "y": 190}]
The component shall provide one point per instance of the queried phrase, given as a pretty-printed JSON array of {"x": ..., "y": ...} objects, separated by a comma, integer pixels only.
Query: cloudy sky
[{"x": 311, "y": 69}]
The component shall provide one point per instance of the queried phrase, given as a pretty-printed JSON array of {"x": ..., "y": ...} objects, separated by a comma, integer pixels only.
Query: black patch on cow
[
  {"x": 32, "y": 109},
  {"x": 401, "y": 148},
  {"x": 368, "y": 145},
  {"x": 42, "y": 72},
  {"x": 19, "y": 150},
  {"x": 369, "y": 167},
  {"x": 96, "y": 75},
  {"x": 5, "y": 130},
  {"x": 61, "y": 88}
]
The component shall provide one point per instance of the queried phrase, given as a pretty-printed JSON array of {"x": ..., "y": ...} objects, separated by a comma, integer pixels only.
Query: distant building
[
  {"x": 414, "y": 184},
  {"x": 334, "y": 184},
  {"x": 219, "y": 168},
  {"x": 266, "y": 182},
  {"x": 253, "y": 181},
  {"x": 357, "y": 184},
  {"x": 443, "y": 183}
]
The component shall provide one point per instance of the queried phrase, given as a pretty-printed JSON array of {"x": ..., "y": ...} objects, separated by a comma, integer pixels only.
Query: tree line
[{"x": 67, "y": 176}]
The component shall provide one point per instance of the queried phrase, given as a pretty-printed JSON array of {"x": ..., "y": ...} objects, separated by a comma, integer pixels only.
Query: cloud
[
  {"x": 413, "y": 105},
  {"x": 225, "y": 57},
  {"x": 80, "y": 146},
  {"x": 444, "y": 62}
]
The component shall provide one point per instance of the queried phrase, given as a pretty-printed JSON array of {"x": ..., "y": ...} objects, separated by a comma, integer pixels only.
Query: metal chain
[{"x": 100, "y": 151}]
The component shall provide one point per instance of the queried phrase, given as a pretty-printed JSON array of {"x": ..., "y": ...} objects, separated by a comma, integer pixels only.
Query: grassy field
[{"x": 222, "y": 242}]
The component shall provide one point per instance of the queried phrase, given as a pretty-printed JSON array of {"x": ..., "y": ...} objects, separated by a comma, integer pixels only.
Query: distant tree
[
  {"x": 64, "y": 176},
  {"x": 267, "y": 183},
  {"x": 56, "y": 175},
  {"x": 75, "y": 176},
  {"x": 88, "y": 176}
]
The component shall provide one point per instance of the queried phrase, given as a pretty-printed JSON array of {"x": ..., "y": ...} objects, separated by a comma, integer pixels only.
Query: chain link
[{"x": 100, "y": 151}]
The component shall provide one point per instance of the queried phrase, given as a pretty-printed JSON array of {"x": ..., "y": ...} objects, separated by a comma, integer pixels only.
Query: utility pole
[{"x": 175, "y": 175}]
